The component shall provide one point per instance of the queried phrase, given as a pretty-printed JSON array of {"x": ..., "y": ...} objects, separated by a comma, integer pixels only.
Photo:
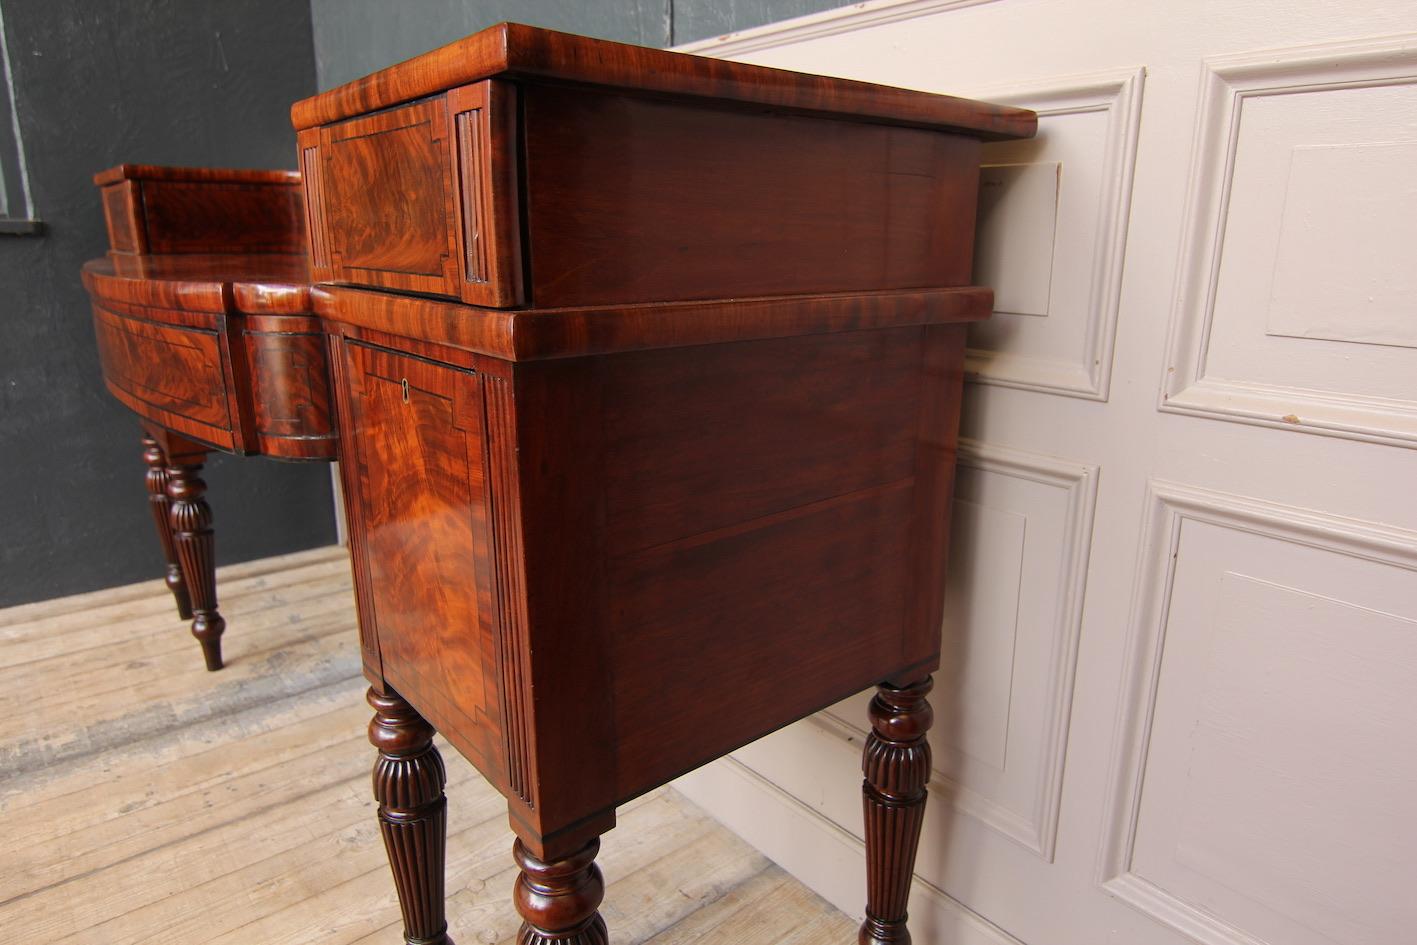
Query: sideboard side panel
[
  {"x": 559, "y": 452},
  {"x": 630, "y": 199},
  {"x": 936, "y": 453},
  {"x": 797, "y": 592}
]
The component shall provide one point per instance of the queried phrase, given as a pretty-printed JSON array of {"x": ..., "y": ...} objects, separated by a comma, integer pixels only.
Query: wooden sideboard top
[
  {"x": 571, "y": 332},
  {"x": 516, "y": 50},
  {"x": 202, "y": 175},
  {"x": 254, "y": 283}
]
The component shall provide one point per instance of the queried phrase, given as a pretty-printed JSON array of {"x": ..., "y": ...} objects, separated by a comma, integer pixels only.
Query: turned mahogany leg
[
  {"x": 161, "y": 506},
  {"x": 413, "y": 814},
  {"x": 897, "y": 767},
  {"x": 558, "y": 900},
  {"x": 192, "y": 535}
]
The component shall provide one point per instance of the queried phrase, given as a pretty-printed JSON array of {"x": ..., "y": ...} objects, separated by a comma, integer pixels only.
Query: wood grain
[
  {"x": 541, "y": 334},
  {"x": 174, "y": 374},
  {"x": 896, "y": 766},
  {"x": 290, "y": 386},
  {"x": 630, "y": 200},
  {"x": 387, "y": 195},
  {"x": 416, "y": 455},
  {"x": 513, "y": 49},
  {"x": 746, "y": 430},
  {"x": 166, "y": 210}
]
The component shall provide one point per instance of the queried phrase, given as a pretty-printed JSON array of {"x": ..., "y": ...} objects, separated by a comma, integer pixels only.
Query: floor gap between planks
[{"x": 144, "y": 800}]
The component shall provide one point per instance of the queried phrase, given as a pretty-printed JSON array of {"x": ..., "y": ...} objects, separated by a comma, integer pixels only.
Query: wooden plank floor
[{"x": 144, "y": 800}]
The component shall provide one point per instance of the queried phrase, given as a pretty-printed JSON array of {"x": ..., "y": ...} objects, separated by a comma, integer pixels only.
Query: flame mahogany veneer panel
[
  {"x": 387, "y": 199},
  {"x": 168, "y": 371},
  {"x": 421, "y": 198},
  {"x": 419, "y": 474},
  {"x": 290, "y": 384},
  {"x": 177, "y": 210},
  {"x": 194, "y": 217}
]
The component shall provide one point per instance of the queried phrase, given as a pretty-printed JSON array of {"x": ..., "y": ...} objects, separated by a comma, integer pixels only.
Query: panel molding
[
  {"x": 801, "y": 29},
  {"x": 1037, "y": 833},
  {"x": 1168, "y": 506},
  {"x": 1118, "y": 93},
  {"x": 1227, "y": 82}
]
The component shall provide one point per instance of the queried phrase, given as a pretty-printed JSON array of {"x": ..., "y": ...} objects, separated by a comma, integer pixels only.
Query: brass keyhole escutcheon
[{"x": 403, "y": 382}]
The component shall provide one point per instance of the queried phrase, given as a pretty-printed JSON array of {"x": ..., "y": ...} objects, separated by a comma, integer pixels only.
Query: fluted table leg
[
  {"x": 896, "y": 764},
  {"x": 195, "y": 542},
  {"x": 413, "y": 814},
  {"x": 161, "y": 505},
  {"x": 559, "y": 900}
]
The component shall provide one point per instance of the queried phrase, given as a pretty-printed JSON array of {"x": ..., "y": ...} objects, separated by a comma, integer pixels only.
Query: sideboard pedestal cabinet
[{"x": 646, "y": 370}]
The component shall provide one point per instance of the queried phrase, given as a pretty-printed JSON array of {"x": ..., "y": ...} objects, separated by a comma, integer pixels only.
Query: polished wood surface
[
  {"x": 559, "y": 901},
  {"x": 896, "y": 765},
  {"x": 630, "y": 199},
  {"x": 647, "y": 374},
  {"x": 530, "y": 53},
  {"x": 558, "y": 333},
  {"x": 166, "y": 210},
  {"x": 413, "y": 813},
  {"x": 156, "y": 481},
  {"x": 223, "y": 349},
  {"x": 195, "y": 541}
]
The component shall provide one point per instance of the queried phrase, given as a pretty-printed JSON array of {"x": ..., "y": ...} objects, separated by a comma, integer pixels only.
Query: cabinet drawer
[
  {"x": 174, "y": 374},
  {"x": 420, "y": 198}
]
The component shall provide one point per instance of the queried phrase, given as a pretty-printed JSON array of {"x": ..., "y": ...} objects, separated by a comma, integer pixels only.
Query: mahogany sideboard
[
  {"x": 646, "y": 370},
  {"x": 205, "y": 330}
]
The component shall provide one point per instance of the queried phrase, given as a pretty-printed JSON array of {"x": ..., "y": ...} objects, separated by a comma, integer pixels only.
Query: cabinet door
[{"x": 417, "y": 476}]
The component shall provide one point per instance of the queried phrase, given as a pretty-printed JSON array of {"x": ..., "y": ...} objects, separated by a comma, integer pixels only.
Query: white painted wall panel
[{"x": 1176, "y": 701}]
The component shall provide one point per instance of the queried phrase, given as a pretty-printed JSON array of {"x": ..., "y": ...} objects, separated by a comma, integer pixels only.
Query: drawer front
[
  {"x": 420, "y": 198},
  {"x": 417, "y": 474},
  {"x": 290, "y": 386},
  {"x": 174, "y": 374}
]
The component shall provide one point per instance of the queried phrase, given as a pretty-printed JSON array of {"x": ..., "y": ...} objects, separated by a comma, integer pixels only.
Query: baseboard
[{"x": 828, "y": 859}]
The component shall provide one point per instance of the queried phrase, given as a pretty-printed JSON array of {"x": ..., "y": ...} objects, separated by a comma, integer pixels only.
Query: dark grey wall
[
  {"x": 101, "y": 82},
  {"x": 700, "y": 19},
  {"x": 356, "y": 37}
]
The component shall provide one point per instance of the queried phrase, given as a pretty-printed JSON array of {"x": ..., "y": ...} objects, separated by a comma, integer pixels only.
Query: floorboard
[{"x": 144, "y": 801}]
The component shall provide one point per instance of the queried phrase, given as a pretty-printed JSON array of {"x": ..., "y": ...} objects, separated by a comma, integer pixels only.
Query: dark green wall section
[
  {"x": 700, "y": 19},
  {"x": 356, "y": 37},
  {"x": 97, "y": 83}
]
